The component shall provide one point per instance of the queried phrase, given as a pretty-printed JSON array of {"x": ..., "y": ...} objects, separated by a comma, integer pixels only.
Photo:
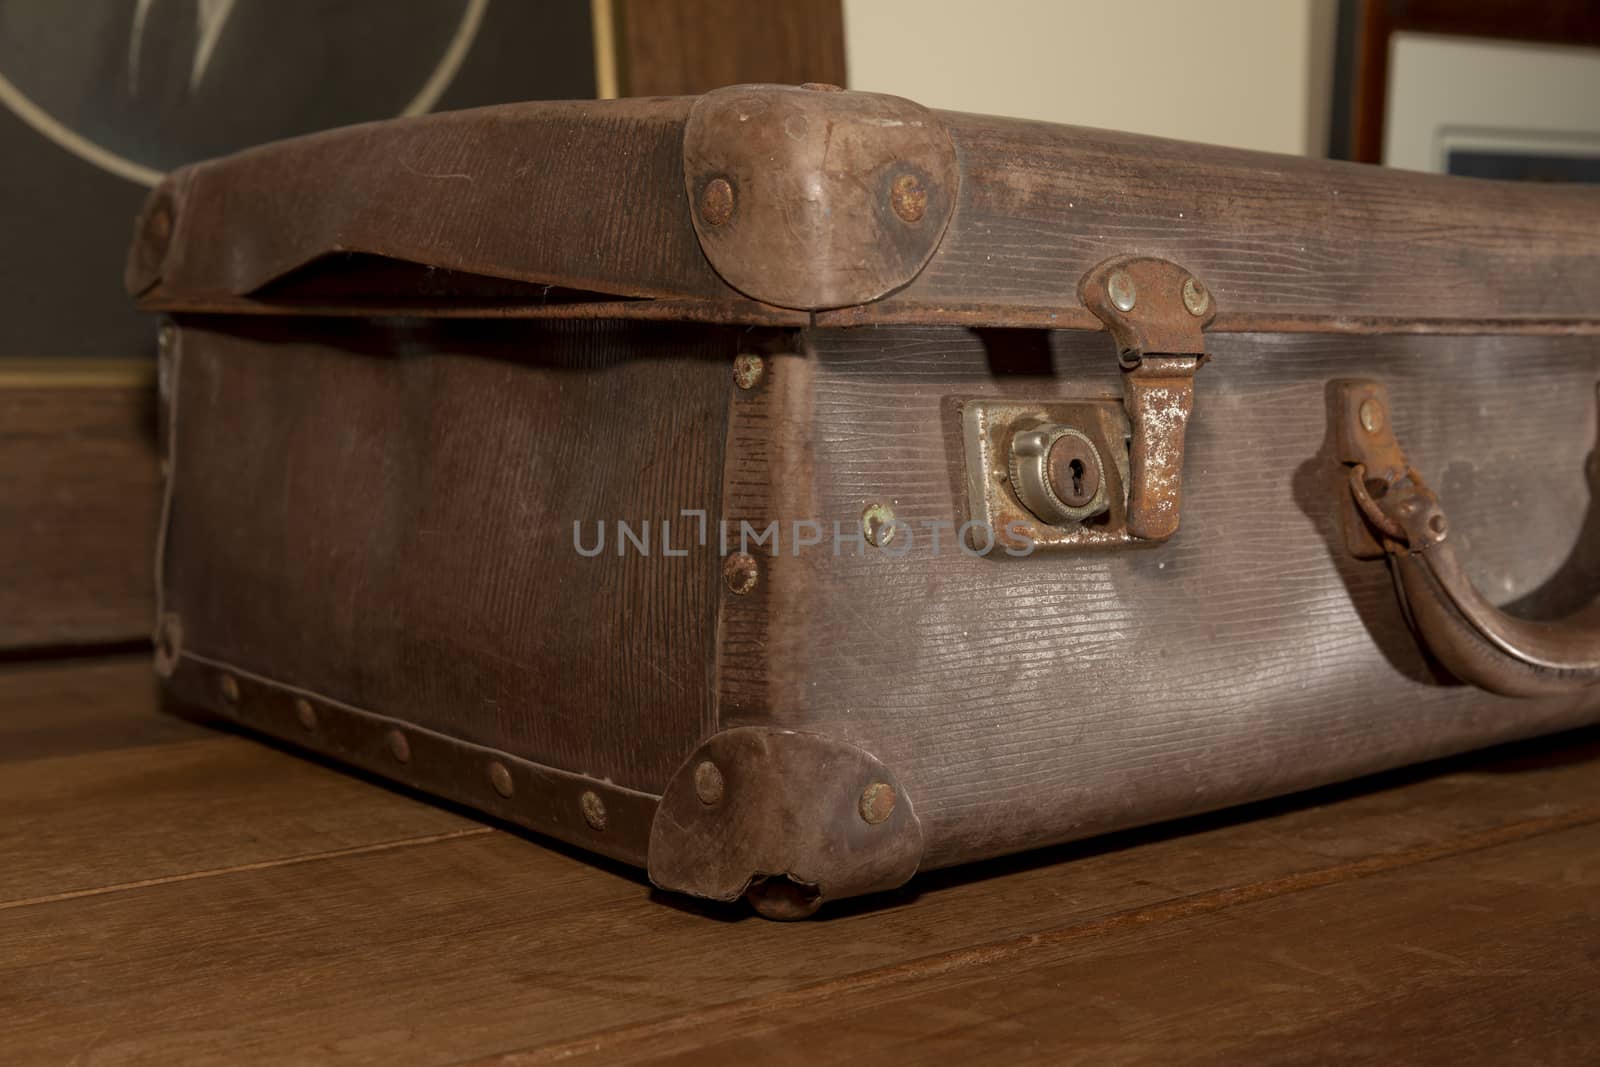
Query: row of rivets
[
  {"x": 907, "y": 196},
  {"x": 1124, "y": 294},
  {"x": 589, "y": 803},
  {"x": 741, "y": 572},
  {"x": 875, "y": 805}
]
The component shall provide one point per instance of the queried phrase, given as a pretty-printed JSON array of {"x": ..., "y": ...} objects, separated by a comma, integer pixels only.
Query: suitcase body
[{"x": 787, "y": 490}]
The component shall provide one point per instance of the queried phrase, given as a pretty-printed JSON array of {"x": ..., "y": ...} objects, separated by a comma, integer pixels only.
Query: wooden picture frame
[
  {"x": 1366, "y": 28},
  {"x": 684, "y": 47}
]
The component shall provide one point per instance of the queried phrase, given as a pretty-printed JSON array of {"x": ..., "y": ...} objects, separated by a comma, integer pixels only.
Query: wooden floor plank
[
  {"x": 472, "y": 947},
  {"x": 1489, "y": 955},
  {"x": 99, "y": 788},
  {"x": 73, "y": 707},
  {"x": 80, "y": 498}
]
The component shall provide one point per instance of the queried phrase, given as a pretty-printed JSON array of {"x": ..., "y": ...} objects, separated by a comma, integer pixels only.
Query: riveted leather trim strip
[{"x": 592, "y": 814}]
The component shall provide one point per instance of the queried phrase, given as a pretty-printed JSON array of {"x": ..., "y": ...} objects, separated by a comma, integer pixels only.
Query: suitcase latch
[{"x": 1081, "y": 473}]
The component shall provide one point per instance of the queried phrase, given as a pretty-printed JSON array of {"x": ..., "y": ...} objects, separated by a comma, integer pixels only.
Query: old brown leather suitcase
[{"x": 788, "y": 490}]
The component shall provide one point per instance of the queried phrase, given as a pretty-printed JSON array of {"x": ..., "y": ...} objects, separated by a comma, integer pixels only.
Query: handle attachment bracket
[{"x": 1391, "y": 513}]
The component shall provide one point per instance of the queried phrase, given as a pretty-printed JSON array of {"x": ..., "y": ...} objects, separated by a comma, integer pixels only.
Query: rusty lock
[
  {"x": 1078, "y": 473},
  {"x": 1057, "y": 474}
]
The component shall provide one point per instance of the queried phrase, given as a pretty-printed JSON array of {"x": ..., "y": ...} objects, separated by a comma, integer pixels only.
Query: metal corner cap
[
  {"x": 813, "y": 198},
  {"x": 755, "y": 803}
]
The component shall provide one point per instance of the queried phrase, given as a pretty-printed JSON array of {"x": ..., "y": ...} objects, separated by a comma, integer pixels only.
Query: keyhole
[{"x": 1074, "y": 475}]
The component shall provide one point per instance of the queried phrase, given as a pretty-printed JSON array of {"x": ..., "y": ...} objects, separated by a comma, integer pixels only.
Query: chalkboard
[{"x": 98, "y": 98}]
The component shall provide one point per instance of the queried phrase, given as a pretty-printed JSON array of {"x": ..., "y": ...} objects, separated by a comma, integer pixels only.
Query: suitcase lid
[{"x": 774, "y": 205}]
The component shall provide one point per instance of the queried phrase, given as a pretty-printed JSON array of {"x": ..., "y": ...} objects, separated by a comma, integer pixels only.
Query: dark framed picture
[
  {"x": 1491, "y": 89},
  {"x": 99, "y": 100}
]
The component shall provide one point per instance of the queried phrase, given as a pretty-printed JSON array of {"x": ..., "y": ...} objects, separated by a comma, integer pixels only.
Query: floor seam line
[{"x": 242, "y": 868}]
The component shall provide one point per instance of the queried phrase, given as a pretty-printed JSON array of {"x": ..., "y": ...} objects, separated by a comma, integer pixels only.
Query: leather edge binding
[{"x": 596, "y": 815}]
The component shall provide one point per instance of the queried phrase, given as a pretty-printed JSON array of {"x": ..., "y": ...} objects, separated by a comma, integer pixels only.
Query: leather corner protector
[
  {"x": 753, "y": 804},
  {"x": 813, "y": 199}
]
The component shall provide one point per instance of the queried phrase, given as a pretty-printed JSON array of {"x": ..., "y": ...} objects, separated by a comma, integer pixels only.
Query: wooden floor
[{"x": 171, "y": 892}]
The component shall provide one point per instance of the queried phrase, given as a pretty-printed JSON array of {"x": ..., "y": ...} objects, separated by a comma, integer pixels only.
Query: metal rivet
[
  {"x": 594, "y": 809},
  {"x": 161, "y": 222},
  {"x": 305, "y": 713},
  {"x": 747, "y": 370},
  {"x": 230, "y": 689},
  {"x": 1195, "y": 297},
  {"x": 1438, "y": 528},
  {"x": 500, "y": 778},
  {"x": 909, "y": 198},
  {"x": 708, "y": 783},
  {"x": 877, "y": 524},
  {"x": 1371, "y": 415},
  {"x": 399, "y": 747},
  {"x": 877, "y": 802},
  {"x": 158, "y": 229},
  {"x": 822, "y": 87},
  {"x": 716, "y": 202},
  {"x": 741, "y": 572},
  {"x": 1120, "y": 288},
  {"x": 169, "y": 643}
]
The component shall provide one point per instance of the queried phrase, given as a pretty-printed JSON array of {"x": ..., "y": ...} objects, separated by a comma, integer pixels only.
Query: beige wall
[{"x": 1248, "y": 73}]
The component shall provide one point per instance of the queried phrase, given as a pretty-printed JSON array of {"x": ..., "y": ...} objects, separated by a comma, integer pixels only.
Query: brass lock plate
[{"x": 998, "y": 519}]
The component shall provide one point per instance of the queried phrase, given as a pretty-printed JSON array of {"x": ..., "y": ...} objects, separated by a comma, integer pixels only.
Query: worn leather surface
[
  {"x": 1283, "y": 242},
  {"x": 590, "y": 196},
  {"x": 382, "y": 514},
  {"x": 583, "y": 195},
  {"x": 1023, "y": 701},
  {"x": 831, "y": 198},
  {"x": 380, "y": 510}
]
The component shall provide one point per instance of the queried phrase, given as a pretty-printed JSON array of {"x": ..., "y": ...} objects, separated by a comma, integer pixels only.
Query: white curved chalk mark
[
  {"x": 135, "y": 43},
  {"x": 210, "y": 17},
  {"x": 44, "y": 123},
  {"x": 449, "y": 63},
  {"x": 75, "y": 143}
]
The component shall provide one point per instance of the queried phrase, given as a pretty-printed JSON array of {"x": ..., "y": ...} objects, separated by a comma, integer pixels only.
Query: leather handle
[{"x": 1396, "y": 514}]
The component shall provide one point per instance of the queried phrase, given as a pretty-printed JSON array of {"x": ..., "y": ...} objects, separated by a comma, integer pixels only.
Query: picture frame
[{"x": 1365, "y": 68}]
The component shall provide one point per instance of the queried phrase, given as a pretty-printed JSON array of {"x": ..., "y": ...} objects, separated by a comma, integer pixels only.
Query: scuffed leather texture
[
  {"x": 383, "y": 514},
  {"x": 1028, "y": 701},
  {"x": 379, "y": 511},
  {"x": 783, "y": 804},
  {"x": 591, "y": 196}
]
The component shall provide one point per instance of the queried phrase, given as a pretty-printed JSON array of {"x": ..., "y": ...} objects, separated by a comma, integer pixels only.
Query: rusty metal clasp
[
  {"x": 1051, "y": 474},
  {"x": 1156, "y": 312}
]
